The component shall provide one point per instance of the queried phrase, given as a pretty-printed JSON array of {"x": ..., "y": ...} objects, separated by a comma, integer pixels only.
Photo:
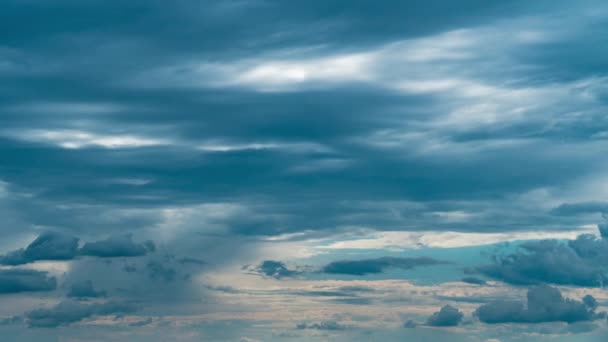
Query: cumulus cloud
[
  {"x": 14, "y": 281},
  {"x": 576, "y": 262},
  {"x": 378, "y": 265},
  {"x": 69, "y": 311},
  {"x": 85, "y": 290},
  {"x": 117, "y": 246},
  {"x": 47, "y": 246},
  {"x": 448, "y": 316},
  {"x": 545, "y": 304}
]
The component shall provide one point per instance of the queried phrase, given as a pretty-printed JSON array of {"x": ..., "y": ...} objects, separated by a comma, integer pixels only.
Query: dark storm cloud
[
  {"x": 15, "y": 281},
  {"x": 318, "y": 22},
  {"x": 545, "y": 304},
  {"x": 448, "y": 316},
  {"x": 576, "y": 262},
  {"x": 379, "y": 265},
  {"x": 117, "y": 246},
  {"x": 47, "y": 246},
  {"x": 68, "y": 312},
  {"x": 69, "y": 75}
]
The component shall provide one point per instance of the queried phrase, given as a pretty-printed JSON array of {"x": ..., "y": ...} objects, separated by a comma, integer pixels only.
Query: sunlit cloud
[
  {"x": 76, "y": 139},
  {"x": 442, "y": 239}
]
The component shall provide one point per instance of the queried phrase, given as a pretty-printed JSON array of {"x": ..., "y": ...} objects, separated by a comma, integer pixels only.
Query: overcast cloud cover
[{"x": 260, "y": 170}]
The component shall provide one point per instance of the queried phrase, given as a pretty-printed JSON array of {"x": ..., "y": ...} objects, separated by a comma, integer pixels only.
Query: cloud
[
  {"x": 57, "y": 246},
  {"x": 274, "y": 269},
  {"x": 570, "y": 209},
  {"x": 577, "y": 262},
  {"x": 410, "y": 324},
  {"x": 448, "y": 316},
  {"x": 158, "y": 270},
  {"x": 117, "y": 246},
  {"x": 579, "y": 328},
  {"x": 378, "y": 265},
  {"x": 142, "y": 323},
  {"x": 323, "y": 325},
  {"x": 488, "y": 120},
  {"x": 191, "y": 261},
  {"x": 70, "y": 139},
  {"x": 47, "y": 246},
  {"x": 473, "y": 280},
  {"x": 68, "y": 312},
  {"x": 15, "y": 281},
  {"x": 11, "y": 320},
  {"x": 84, "y": 290},
  {"x": 545, "y": 304}
]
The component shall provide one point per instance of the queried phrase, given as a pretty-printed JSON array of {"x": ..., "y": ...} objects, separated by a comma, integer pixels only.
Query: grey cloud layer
[
  {"x": 68, "y": 312},
  {"x": 391, "y": 131}
]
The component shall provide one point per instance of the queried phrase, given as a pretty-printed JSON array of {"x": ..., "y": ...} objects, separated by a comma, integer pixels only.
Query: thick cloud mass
[
  {"x": 68, "y": 312},
  {"x": 448, "y": 316},
  {"x": 577, "y": 262},
  {"x": 47, "y": 246},
  {"x": 367, "y": 266},
  {"x": 85, "y": 290},
  {"x": 545, "y": 304},
  {"x": 117, "y": 246},
  {"x": 14, "y": 281},
  {"x": 330, "y": 135}
]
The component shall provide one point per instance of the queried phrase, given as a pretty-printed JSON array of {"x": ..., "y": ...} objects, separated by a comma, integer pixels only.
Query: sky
[{"x": 264, "y": 170}]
